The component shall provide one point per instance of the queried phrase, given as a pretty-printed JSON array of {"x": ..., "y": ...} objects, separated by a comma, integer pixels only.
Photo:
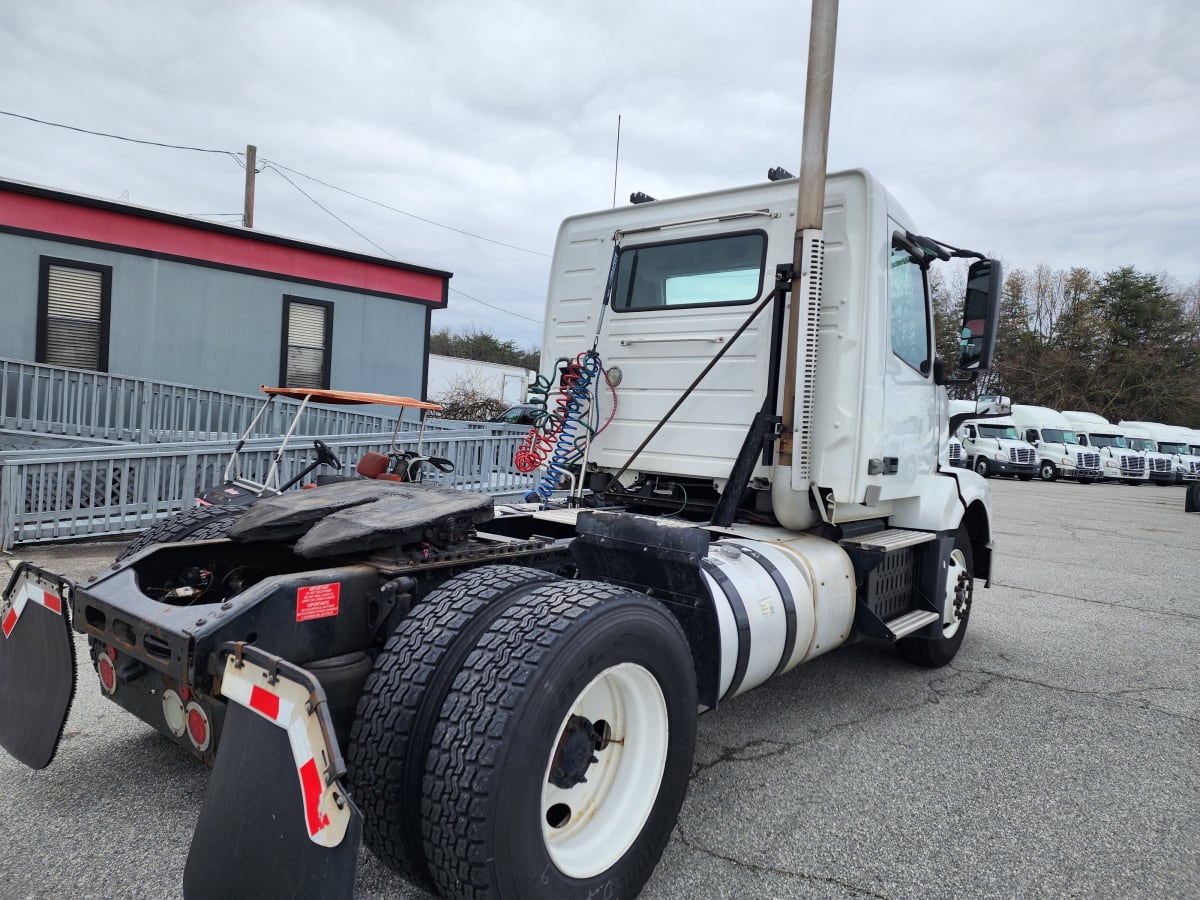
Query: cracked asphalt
[{"x": 1056, "y": 756}]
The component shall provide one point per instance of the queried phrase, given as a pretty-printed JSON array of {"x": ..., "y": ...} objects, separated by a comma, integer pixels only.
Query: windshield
[
  {"x": 999, "y": 431},
  {"x": 1136, "y": 443},
  {"x": 1059, "y": 436},
  {"x": 1172, "y": 447},
  {"x": 1109, "y": 440}
]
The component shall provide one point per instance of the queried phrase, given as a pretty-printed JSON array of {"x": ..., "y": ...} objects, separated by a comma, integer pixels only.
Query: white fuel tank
[{"x": 778, "y": 604}]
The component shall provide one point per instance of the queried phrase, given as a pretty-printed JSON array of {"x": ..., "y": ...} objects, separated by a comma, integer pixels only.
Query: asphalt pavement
[{"x": 1056, "y": 756}]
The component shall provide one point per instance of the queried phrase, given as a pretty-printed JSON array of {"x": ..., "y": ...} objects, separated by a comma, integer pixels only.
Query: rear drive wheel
[
  {"x": 1047, "y": 472},
  {"x": 204, "y": 523},
  {"x": 403, "y": 698},
  {"x": 982, "y": 467},
  {"x": 1191, "y": 500},
  {"x": 958, "y": 585},
  {"x": 564, "y": 750}
]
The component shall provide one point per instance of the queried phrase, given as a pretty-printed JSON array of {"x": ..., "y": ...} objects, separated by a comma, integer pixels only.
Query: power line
[
  {"x": 497, "y": 308},
  {"x": 334, "y": 187},
  {"x": 326, "y": 209},
  {"x": 276, "y": 169},
  {"x": 237, "y": 158},
  {"x": 118, "y": 137}
]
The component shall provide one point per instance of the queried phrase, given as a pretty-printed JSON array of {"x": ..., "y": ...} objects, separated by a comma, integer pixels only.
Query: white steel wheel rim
[
  {"x": 951, "y": 620},
  {"x": 608, "y": 811}
]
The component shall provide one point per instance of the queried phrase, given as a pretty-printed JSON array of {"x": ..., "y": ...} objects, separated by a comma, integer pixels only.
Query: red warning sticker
[{"x": 317, "y": 601}]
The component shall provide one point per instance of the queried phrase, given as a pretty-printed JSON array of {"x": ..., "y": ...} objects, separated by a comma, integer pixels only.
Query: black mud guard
[
  {"x": 276, "y": 822},
  {"x": 37, "y": 664}
]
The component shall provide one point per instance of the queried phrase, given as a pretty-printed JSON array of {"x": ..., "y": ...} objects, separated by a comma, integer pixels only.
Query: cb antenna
[{"x": 616, "y": 161}]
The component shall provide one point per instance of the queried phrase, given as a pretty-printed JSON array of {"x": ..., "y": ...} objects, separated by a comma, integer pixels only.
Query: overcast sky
[{"x": 1063, "y": 132}]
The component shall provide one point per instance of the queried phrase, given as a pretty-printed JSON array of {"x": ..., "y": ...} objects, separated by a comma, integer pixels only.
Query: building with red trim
[{"x": 104, "y": 285}]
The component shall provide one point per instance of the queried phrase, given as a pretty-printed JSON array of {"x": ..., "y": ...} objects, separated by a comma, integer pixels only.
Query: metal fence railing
[
  {"x": 48, "y": 495},
  {"x": 58, "y": 400}
]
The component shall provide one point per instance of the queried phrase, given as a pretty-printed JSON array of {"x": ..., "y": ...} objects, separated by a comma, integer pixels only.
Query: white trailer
[
  {"x": 992, "y": 445},
  {"x": 1118, "y": 461},
  {"x": 1173, "y": 444},
  {"x": 1059, "y": 451}
]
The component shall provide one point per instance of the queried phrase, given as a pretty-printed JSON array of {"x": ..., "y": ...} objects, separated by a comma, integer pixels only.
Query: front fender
[{"x": 946, "y": 500}]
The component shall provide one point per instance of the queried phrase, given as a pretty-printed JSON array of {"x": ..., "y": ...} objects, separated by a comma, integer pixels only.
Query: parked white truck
[
  {"x": 1118, "y": 461},
  {"x": 1160, "y": 468},
  {"x": 1059, "y": 451},
  {"x": 768, "y": 488},
  {"x": 1172, "y": 443},
  {"x": 992, "y": 445}
]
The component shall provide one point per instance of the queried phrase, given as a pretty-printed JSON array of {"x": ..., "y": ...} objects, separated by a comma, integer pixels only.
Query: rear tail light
[
  {"x": 108, "y": 673},
  {"x": 198, "y": 729}
]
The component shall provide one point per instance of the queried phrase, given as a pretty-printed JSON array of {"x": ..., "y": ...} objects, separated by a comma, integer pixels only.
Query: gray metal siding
[{"x": 205, "y": 326}]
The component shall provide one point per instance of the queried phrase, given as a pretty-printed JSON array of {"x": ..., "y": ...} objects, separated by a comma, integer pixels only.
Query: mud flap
[
  {"x": 37, "y": 664},
  {"x": 276, "y": 821}
]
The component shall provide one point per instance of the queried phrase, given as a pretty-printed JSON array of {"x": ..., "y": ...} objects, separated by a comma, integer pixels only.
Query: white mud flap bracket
[
  {"x": 276, "y": 821},
  {"x": 37, "y": 664}
]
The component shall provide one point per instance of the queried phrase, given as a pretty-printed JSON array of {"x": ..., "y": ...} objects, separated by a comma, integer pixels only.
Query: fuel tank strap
[
  {"x": 743, "y": 623},
  {"x": 789, "y": 603}
]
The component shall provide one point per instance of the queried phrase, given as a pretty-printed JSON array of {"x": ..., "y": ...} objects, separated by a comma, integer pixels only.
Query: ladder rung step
[
  {"x": 889, "y": 539},
  {"x": 906, "y": 624}
]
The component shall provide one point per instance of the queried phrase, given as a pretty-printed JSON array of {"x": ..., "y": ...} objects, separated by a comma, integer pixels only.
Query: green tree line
[
  {"x": 1124, "y": 344},
  {"x": 482, "y": 346}
]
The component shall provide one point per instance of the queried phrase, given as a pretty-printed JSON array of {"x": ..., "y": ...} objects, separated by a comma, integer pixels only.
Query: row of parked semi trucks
[{"x": 1039, "y": 442}]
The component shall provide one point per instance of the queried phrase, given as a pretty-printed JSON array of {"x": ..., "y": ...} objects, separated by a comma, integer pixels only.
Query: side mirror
[{"x": 981, "y": 312}]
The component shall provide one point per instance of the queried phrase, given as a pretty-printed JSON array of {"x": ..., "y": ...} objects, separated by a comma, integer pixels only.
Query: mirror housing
[{"x": 981, "y": 313}]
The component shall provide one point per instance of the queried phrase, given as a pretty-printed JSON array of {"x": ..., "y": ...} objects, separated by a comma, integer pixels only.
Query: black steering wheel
[{"x": 325, "y": 456}]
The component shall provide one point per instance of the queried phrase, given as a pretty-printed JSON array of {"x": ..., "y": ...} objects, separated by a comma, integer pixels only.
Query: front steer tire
[
  {"x": 958, "y": 588},
  {"x": 403, "y": 698},
  {"x": 576, "y": 680}
]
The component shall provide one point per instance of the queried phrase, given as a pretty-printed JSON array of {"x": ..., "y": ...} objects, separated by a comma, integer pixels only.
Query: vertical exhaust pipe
[{"x": 793, "y": 468}]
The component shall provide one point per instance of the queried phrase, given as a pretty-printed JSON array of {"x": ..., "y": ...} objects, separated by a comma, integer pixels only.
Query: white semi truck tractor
[
  {"x": 1059, "y": 451},
  {"x": 1118, "y": 461},
  {"x": 993, "y": 445},
  {"x": 1160, "y": 467},
  {"x": 1172, "y": 443},
  {"x": 744, "y": 405}
]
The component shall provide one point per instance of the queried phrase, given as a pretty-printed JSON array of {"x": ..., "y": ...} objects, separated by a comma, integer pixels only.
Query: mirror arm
[{"x": 939, "y": 375}]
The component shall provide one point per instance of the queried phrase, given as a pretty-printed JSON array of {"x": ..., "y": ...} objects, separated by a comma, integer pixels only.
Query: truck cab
[
  {"x": 1160, "y": 468},
  {"x": 1173, "y": 445},
  {"x": 993, "y": 445},
  {"x": 1118, "y": 461},
  {"x": 686, "y": 274},
  {"x": 1060, "y": 454}
]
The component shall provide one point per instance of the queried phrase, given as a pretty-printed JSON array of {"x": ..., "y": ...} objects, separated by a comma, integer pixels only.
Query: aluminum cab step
[
  {"x": 904, "y": 625},
  {"x": 888, "y": 539}
]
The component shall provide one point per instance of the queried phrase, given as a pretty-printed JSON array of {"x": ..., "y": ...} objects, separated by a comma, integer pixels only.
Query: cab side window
[{"x": 909, "y": 311}]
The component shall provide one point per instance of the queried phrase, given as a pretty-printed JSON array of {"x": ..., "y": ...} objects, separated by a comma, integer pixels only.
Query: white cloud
[{"x": 1059, "y": 133}]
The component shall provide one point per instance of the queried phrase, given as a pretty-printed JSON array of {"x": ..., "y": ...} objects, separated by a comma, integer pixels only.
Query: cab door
[{"x": 910, "y": 434}]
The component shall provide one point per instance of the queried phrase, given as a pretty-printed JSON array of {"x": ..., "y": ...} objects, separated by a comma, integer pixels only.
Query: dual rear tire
[{"x": 523, "y": 736}]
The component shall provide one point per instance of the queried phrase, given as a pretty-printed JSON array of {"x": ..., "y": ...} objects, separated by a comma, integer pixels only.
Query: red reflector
[
  {"x": 197, "y": 727},
  {"x": 265, "y": 702},
  {"x": 310, "y": 785},
  {"x": 107, "y": 673},
  {"x": 10, "y": 622},
  {"x": 185, "y": 693},
  {"x": 52, "y": 602},
  {"x": 112, "y": 652}
]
